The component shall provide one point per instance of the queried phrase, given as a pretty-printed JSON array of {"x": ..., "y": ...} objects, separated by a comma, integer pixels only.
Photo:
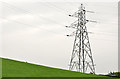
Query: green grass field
[{"x": 13, "y": 68}]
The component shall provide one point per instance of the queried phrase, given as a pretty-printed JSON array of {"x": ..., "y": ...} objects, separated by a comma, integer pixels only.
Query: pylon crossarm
[
  {"x": 72, "y": 34},
  {"x": 90, "y": 11},
  {"x": 75, "y": 14},
  {"x": 74, "y": 25},
  {"x": 86, "y": 21}
]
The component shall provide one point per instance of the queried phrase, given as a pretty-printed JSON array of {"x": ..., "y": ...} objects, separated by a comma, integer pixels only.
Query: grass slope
[{"x": 13, "y": 68}]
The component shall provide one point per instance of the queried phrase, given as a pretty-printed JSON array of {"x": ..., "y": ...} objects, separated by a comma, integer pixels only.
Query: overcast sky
[{"x": 35, "y": 32}]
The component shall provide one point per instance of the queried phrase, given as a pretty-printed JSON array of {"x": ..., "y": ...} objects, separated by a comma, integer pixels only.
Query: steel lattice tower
[{"x": 81, "y": 59}]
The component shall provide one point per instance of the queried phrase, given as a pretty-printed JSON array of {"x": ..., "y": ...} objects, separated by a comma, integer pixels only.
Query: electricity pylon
[{"x": 81, "y": 58}]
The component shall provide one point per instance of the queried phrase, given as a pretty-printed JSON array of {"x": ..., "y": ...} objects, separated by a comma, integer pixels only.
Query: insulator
[
  {"x": 87, "y": 20},
  {"x": 83, "y": 10},
  {"x": 66, "y": 26},
  {"x": 68, "y": 35}
]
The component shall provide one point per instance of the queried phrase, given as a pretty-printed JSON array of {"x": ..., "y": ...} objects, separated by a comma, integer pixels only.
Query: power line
[
  {"x": 103, "y": 33},
  {"x": 28, "y": 12},
  {"x": 30, "y": 25},
  {"x": 63, "y": 10}
]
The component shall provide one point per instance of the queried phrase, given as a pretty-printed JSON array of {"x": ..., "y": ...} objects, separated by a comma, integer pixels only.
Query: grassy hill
[{"x": 13, "y": 68}]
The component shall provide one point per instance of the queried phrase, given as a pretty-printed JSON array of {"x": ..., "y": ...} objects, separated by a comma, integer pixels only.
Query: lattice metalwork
[{"x": 81, "y": 59}]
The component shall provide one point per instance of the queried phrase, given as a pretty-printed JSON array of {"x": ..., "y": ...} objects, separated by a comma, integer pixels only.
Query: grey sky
[{"x": 35, "y": 32}]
